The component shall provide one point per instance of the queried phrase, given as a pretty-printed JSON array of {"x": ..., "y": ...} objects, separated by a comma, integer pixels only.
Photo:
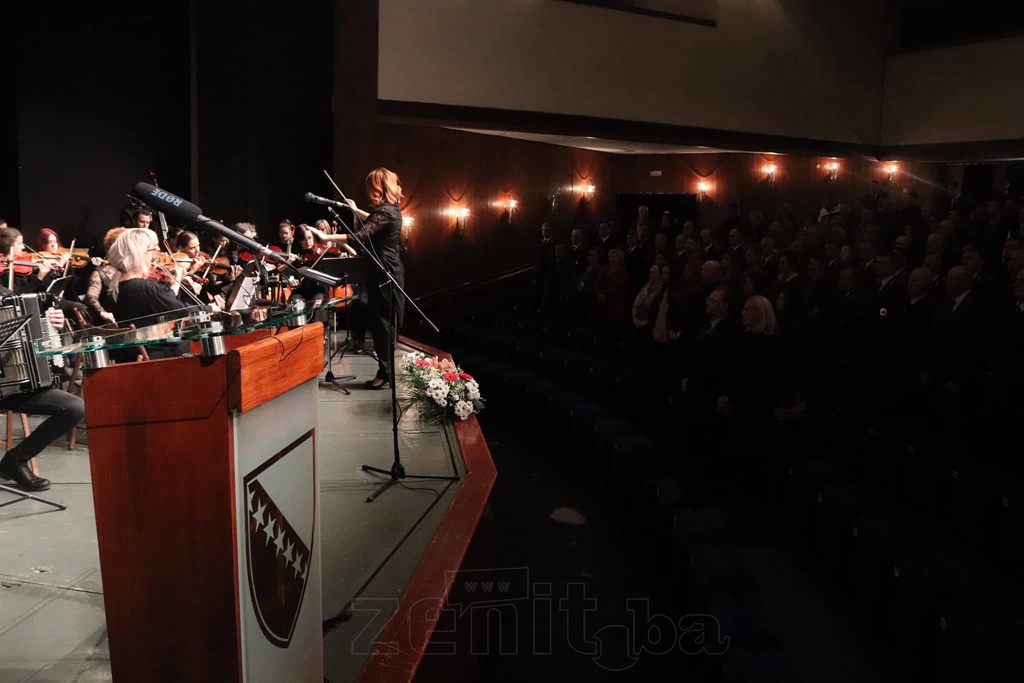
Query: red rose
[
  {"x": 422, "y": 363},
  {"x": 450, "y": 376},
  {"x": 466, "y": 376}
]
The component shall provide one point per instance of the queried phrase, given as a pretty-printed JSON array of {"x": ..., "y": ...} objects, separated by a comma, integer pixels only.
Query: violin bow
[{"x": 212, "y": 259}]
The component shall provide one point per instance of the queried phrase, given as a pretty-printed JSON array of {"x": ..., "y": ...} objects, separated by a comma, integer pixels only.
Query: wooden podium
[{"x": 207, "y": 513}]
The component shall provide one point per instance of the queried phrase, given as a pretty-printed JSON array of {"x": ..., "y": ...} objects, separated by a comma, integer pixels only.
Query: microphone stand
[{"x": 397, "y": 471}]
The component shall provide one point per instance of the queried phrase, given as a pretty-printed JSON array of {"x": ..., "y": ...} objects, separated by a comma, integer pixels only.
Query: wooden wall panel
[{"x": 443, "y": 170}]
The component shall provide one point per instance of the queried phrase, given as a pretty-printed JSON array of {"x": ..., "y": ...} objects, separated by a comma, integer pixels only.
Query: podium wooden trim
[{"x": 161, "y": 451}]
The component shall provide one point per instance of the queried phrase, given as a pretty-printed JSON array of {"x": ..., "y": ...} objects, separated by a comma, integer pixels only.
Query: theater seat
[
  {"x": 716, "y": 567},
  {"x": 766, "y": 665},
  {"x": 877, "y": 542},
  {"x": 838, "y": 507}
]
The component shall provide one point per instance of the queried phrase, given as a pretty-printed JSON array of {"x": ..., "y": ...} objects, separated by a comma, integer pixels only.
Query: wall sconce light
[
  {"x": 702, "y": 191},
  {"x": 891, "y": 169},
  {"x": 407, "y": 223},
  {"x": 770, "y": 172},
  {"x": 510, "y": 206},
  {"x": 833, "y": 171},
  {"x": 461, "y": 216},
  {"x": 588, "y": 191}
]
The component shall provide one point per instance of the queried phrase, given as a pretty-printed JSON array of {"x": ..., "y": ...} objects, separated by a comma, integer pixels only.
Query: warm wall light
[
  {"x": 461, "y": 217},
  {"x": 891, "y": 169},
  {"x": 833, "y": 170},
  {"x": 510, "y": 207},
  {"x": 770, "y": 172},
  {"x": 407, "y": 223},
  {"x": 702, "y": 191}
]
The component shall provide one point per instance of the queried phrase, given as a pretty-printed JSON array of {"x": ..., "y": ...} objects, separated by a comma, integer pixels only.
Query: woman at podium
[{"x": 381, "y": 232}]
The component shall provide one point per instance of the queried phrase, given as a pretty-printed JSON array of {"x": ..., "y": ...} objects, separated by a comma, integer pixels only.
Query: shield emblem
[{"x": 280, "y": 497}]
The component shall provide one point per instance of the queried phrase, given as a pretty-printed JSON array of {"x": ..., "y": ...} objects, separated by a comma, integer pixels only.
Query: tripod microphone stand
[{"x": 396, "y": 472}]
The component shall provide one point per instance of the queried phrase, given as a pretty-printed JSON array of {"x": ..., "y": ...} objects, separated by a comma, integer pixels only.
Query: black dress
[
  {"x": 137, "y": 298},
  {"x": 382, "y": 233}
]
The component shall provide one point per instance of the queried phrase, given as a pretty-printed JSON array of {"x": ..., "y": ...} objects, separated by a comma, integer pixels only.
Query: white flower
[
  {"x": 441, "y": 400},
  {"x": 436, "y": 383},
  {"x": 472, "y": 391},
  {"x": 463, "y": 409}
]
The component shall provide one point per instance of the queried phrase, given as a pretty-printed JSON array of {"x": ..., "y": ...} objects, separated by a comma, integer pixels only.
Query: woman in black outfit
[
  {"x": 381, "y": 232},
  {"x": 135, "y": 295}
]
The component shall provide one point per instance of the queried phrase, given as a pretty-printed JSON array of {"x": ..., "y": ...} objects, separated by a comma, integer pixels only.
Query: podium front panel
[{"x": 278, "y": 538}]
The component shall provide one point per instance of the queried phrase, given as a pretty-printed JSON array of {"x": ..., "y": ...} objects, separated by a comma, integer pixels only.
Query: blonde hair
[
  {"x": 764, "y": 314},
  {"x": 129, "y": 255},
  {"x": 383, "y": 187}
]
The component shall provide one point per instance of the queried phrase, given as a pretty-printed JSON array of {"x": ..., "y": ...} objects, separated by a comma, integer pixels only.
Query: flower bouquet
[{"x": 439, "y": 388}]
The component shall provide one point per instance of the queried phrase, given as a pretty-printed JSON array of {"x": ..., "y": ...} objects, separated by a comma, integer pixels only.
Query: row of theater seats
[
  {"x": 872, "y": 504},
  {"x": 577, "y": 388}
]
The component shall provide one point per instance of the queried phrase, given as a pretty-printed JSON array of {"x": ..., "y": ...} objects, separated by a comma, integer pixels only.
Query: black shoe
[
  {"x": 377, "y": 383},
  {"x": 21, "y": 473}
]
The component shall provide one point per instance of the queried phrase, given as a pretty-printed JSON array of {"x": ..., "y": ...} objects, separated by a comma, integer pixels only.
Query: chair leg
[
  {"x": 10, "y": 429},
  {"x": 24, "y": 424},
  {"x": 71, "y": 439}
]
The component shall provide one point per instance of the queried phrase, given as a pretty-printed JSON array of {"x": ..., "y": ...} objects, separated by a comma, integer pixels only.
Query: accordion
[{"x": 21, "y": 371}]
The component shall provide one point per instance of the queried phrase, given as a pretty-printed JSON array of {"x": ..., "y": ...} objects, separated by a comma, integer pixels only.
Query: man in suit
[
  {"x": 578, "y": 251},
  {"x": 866, "y": 278},
  {"x": 708, "y": 246},
  {"x": 545, "y": 257},
  {"x": 704, "y": 367},
  {"x": 952, "y": 348}
]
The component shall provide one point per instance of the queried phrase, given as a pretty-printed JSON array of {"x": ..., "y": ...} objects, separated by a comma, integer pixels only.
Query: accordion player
[{"x": 26, "y": 386}]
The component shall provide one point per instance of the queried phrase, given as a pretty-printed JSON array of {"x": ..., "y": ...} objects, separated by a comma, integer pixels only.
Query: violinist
[
  {"x": 135, "y": 293},
  {"x": 63, "y": 411},
  {"x": 307, "y": 248},
  {"x": 142, "y": 218},
  {"x": 286, "y": 236},
  {"x": 99, "y": 296},
  {"x": 233, "y": 251},
  {"x": 29, "y": 276}
]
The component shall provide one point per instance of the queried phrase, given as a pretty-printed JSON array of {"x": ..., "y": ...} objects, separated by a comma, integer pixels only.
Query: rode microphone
[{"x": 183, "y": 211}]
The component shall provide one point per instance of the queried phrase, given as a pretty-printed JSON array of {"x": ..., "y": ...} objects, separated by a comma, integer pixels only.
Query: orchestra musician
[
  {"x": 12, "y": 246},
  {"x": 99, "y": 296},
  {"x": 381, "y": 231},
  {"x": 139, "y": 288},
  {"x": 63, "y": 410}
]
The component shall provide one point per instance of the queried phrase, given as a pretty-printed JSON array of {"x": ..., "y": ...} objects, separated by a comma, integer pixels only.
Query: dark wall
[
  {"x": 100, "y": 98},
  {"x": 103, "y": 97},
  {"x": 264, "y": 109}
]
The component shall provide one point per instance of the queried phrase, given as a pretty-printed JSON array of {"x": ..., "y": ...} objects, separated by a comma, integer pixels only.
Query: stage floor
[{"x": 52, "y": 624}]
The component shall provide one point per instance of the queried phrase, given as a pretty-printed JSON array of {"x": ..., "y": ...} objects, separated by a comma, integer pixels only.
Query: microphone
[
  {"x": 324, "y": 201},
  {"x": 185, "y": 212}
]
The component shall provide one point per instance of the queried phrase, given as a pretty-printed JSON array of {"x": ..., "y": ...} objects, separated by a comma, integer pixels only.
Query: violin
[
  {"x": 311, "y": 256},
  {"x": 162, "y": 268},
  {"x": 22, "y": 266},
  {"x": 247, "y": 257}
]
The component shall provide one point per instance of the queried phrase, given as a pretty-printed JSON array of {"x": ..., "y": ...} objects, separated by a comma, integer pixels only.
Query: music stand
[
  {"x": 9, "y": 328},
  {"x": 351, "y": 271}
]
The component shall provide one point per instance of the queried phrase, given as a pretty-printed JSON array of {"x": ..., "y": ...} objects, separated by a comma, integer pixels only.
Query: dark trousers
[
  {"x": 379, "y": 319},
  {"x": 65, "y": 411}
]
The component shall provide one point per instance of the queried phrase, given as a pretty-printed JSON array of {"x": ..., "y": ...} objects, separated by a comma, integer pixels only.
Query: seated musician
[
  {"x": 12, "y": 245},
  {"x": 64, "y": 411},
  {"x": 135, "y": 294},
  {"x": 309, "y": 250},
  {"x": 99, "y": 296}
]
